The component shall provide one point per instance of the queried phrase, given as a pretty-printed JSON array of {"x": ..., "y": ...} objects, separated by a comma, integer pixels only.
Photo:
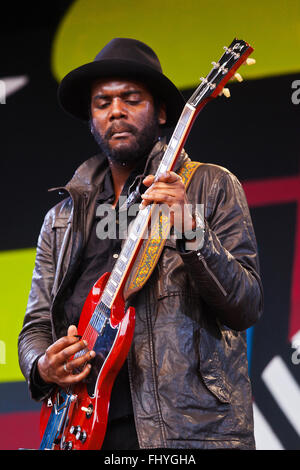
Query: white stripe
[
  {"x": 284, "y": 389},
  {"x": 296, "y": 340},
  {"x": 265, "y": 438},
  {"x": 12, "y": 85}
]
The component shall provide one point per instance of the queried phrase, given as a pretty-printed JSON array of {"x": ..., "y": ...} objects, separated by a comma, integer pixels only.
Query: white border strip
[{"x": 284, "y": 389}]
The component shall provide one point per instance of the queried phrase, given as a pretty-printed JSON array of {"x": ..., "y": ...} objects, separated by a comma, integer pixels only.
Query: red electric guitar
[{"x": 76, "y": 418}]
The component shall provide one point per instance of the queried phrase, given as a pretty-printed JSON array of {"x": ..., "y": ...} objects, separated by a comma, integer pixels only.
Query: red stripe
[
  {"x": 294, "y": 326},
  {"x": 273, "y": 191},
  {"x": 20, "y": 430},
  {"x": 282, "y": 191}
]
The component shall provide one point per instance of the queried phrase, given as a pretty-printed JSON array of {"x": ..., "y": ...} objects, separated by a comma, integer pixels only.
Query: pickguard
[{"x": 102, "y": 348}]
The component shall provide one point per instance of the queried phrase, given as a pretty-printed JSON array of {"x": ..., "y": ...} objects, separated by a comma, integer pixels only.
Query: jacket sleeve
[
  {"x": 226, "y": 268},
  {"x": 36, "y": 333}
]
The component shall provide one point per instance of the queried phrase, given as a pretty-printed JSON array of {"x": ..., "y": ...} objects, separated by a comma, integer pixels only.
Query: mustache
[{"x": 117, "y": 127}]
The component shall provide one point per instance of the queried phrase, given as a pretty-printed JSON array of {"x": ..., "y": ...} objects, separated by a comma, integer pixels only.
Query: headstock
[{"x": 213, "y": 84}]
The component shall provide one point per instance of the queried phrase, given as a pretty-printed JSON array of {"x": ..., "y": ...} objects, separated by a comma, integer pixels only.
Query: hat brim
[{"x": 74, "y": 90}]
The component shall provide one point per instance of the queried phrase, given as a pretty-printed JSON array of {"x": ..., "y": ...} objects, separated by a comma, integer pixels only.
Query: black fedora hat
[{"x": 120, "y": 58}]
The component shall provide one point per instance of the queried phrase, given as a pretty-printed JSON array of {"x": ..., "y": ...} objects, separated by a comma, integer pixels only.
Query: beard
[{"x": 129, "y": 154}]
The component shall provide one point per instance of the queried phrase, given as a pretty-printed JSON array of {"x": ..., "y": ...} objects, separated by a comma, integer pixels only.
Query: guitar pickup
[{"x": 101, "y": 331}]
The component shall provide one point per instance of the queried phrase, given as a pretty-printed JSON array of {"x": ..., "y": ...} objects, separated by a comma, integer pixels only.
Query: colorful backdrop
[{"x": 255, "y": 134}]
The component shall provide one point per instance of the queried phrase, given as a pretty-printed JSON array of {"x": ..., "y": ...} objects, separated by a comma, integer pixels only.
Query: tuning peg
[
  {"x": 203, "y": 80},
  {"x": 250, "y": 61},
  {"x": 225, "y": 92},
  {"x": 239, "y": 77}
]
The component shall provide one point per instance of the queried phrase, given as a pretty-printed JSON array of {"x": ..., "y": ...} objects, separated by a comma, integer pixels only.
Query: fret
[
  {"x": 129, "y": 244},
  {"x": 121, "y": 265},
  {"x": 181, "y": 126},
  {"x": 176, "y": 139},
  {"x": 106, "y": 299},
  {"x": 115, "y": 277},
  {"x": 109, "y": 292}
]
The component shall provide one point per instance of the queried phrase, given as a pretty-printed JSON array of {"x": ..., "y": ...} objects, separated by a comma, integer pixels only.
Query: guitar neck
[
  {"x": 140, "y": 225},
  {"x": 210, "y": 87}
]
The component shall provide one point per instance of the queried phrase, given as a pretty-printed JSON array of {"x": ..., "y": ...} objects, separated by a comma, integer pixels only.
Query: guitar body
[{"x": 77, "y": 418}]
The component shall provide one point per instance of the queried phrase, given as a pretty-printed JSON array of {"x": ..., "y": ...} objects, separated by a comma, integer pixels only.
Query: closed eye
[{"x": 133, "y": 102}]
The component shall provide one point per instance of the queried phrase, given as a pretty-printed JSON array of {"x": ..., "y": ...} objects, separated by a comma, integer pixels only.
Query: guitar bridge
[{"x": 103, "y": 327}]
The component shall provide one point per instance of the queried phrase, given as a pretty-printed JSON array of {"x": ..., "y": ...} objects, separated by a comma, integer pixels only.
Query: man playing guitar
[{"x": 185, "y": 381}]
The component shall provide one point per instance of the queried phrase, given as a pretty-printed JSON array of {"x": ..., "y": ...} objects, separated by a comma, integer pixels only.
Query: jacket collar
[{"x": 89, "y": 176}]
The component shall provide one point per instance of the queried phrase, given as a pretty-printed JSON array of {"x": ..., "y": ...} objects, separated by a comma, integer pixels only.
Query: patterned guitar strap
[{"x": 152, "y": 246}]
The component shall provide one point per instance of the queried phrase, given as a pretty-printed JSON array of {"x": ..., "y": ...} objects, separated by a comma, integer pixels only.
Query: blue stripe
[
  {"x": 14, "y": 397},
  {"x": 250, "y": 332}
]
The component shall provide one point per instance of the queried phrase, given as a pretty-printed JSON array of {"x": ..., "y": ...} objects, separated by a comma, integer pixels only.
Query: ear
[{"x": 162, "y": 114}]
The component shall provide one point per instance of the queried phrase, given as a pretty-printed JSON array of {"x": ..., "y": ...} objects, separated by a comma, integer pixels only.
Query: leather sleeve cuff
[
  {"x": 193, "y": 240},
  {"x": 39, "y": 389}
]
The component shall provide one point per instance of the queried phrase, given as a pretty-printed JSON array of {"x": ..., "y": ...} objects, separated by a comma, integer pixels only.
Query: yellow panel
[
  {"x": 15, "y": 277},
  {"x": 187, "y": 35}
]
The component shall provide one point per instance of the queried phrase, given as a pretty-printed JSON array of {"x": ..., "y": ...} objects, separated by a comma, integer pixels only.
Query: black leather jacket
[{"x": 188, "y": 361}]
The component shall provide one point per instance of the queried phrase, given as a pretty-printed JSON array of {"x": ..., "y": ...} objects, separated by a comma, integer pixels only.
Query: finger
[
  {"x": 169, "y": 177},
  {"x": 67, "y": 353},
  {"x": 171, "y": 189},
  {"x": 160, "y": 197},
  {"x": 148, "y": 180},
  {"x": 66, "y": 369},
  {"x": 176, "y": 185},
  {"x": 75, "y": 378},
  {"x": 61, "y": 344},
  {"x": 79, "y": 361},
  {"x": 72, "y": 330}
]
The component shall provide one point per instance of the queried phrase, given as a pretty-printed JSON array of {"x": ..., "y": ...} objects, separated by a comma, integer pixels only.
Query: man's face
[{"x": 124, "y": 120}]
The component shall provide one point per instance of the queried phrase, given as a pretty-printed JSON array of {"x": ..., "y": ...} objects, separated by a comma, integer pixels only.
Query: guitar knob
[
  {"x": 88, "y": 410},
  {"x": 75, "y": 429},
  {"x": 68, "y": 445},
  {"x": 81, "y": 436}
]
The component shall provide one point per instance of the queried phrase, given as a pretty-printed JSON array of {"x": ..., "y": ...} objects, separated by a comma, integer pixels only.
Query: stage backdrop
[{"x": 255, "y": 134}]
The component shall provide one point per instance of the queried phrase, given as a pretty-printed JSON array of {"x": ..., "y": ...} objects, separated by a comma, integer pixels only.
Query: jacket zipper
[
  {"x": 152, "y": 360},
  {"x": 212, "y": 275}
]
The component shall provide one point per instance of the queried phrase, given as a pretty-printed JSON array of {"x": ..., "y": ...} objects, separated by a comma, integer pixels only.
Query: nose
[{"x": 117, "y": 110}]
